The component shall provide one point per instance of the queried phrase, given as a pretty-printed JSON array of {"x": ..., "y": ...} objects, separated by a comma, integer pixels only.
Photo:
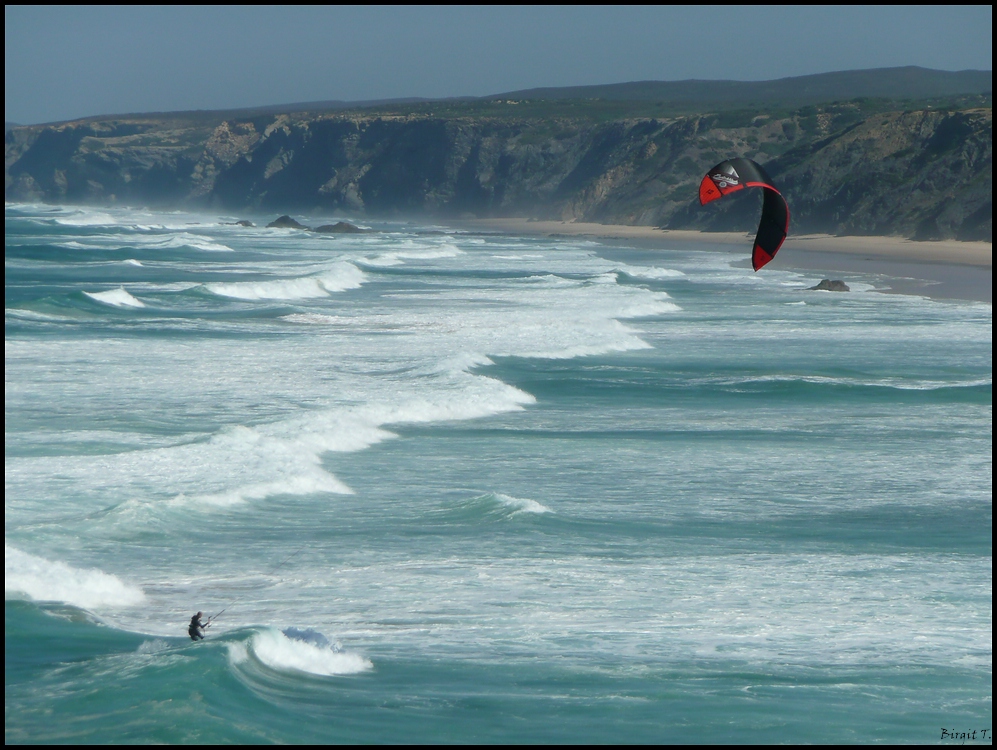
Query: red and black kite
[{"x": 736, "y": 174}]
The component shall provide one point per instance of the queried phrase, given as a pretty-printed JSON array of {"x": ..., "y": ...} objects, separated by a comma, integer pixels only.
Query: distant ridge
[
  {"x": 910, "y": 82},
  {"x": 327, "y": 105},
  {"x": 905, "y": 83}
]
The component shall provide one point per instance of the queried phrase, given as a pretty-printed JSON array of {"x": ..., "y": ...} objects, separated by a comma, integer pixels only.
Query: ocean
[{"x": 448, "y": 486}]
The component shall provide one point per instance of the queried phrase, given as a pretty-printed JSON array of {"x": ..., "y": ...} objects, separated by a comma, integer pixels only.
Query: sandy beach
[{"x": 946, "y": 269}]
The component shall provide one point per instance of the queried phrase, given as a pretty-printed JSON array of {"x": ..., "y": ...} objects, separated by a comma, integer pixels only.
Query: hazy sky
[{"x": 66, "y": 62}]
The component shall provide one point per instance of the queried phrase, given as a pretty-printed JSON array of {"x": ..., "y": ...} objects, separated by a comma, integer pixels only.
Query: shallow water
[{"x": 516, "y": 489}]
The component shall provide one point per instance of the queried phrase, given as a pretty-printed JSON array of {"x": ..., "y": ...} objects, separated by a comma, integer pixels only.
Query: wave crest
[
  {"x": 50, "y": 580},
  {"x": 344, "y": 276},
  {"x": 495, "y": 506},
  {"x": 651, "y": 272},
  {"x": 116, "y": 298},
  {"x": 278, "y": 651}
]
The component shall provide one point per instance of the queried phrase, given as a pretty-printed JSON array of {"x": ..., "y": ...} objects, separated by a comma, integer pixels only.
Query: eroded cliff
[{"x": 846, "y": 168}]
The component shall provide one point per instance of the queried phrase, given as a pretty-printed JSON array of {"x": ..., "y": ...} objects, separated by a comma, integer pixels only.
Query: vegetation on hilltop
[{"x": 910, "y": 82}]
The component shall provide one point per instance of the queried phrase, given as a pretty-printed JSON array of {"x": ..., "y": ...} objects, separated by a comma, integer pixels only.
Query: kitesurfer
[{"x": 196, "y": 628}]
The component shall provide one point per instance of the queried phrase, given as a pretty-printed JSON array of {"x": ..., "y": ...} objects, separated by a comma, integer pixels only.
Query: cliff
[{"x": 857, "y": 167}]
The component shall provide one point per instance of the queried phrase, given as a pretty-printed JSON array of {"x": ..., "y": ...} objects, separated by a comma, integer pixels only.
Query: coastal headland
[
  {"x": 893, "y": 152},
  {"x": 889, "y": 166}
]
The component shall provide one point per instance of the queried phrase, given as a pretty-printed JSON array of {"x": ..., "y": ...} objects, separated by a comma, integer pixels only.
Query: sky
[{"x": 66, "y": 62}]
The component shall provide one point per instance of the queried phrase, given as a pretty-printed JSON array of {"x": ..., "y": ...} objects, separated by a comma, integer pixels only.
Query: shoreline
[{"x": 943, "y": 269}]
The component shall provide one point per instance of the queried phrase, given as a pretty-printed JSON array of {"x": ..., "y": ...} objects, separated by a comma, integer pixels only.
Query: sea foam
[
  {"x": 315, "y": 319},
  {"x": 85, "y": 218},
  {"x": 278, "y": 651},
  {"x": 342, "y": 277},
  {"x": 48, "y": 580},
  {"x": 197, "y": 242},
  {"x": 521, "y": 504},
  {"x": 412, "y": 251},
  {"x": 651, "y": 272},
  {"x": 115, "y": 297}
]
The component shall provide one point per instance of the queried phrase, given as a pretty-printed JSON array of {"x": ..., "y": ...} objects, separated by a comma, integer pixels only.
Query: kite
[{"x": 736, "y": 174}]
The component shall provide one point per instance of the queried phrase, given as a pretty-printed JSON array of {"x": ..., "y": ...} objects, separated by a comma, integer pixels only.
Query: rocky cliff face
[{"x": 923, "y": 173}]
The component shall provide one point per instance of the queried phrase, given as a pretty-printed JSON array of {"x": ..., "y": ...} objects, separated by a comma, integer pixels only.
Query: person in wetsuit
[{"x": 196, "y": 628}]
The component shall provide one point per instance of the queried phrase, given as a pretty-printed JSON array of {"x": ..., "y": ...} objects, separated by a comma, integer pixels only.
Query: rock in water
[
  {"x": 826, "y": 285},
  {"x": 340, "y": 227},
  {"x": 245, "y": 223},
  {"x": 285, "y": 222}
]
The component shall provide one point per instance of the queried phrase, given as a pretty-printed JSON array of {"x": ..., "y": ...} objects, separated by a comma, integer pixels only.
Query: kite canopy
[{"x": 736, "y": 174}]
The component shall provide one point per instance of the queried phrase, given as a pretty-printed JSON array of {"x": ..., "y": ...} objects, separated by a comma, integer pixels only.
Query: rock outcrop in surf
[
  {"x": 827, "y": 285},
  {"x": 340, "y": 227},
  {"x": 285, "y": 222}
]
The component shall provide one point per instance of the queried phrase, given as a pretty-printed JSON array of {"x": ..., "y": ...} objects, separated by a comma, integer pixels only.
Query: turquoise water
[{"x": 457, "y": 487}]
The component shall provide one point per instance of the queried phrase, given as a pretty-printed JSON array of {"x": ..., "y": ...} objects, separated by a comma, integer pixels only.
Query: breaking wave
[
  {"x": 279, "y": 651},
  {"x": 493, "y": 507},
  {"x": 412, "y": 251},
  {"x": 194, "y": 241},
  {"x": 650, "y": 272},
  {"x": 87, "y": 219},
  {"x": 344, "y": 276},
  {"x": 518, "y": 504},
  {"x": 48, "y": 580},
  {"x": 115, "y": 297}
]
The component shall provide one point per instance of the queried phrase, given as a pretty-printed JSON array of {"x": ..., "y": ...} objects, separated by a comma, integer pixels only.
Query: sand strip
[{"x": 947, "y": 269}]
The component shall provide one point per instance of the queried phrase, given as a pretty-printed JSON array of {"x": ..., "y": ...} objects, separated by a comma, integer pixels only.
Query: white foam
[
  {"x": 116, "y": 297},
  {"x": 16, "y": 312},
  {"x": 154, "y": 646},
  {"x": 285, "y": 456},
  {"x": 237, "y": 653},
  {"x": 651, "y": 272},
  {"x": 645, "y": 308},
  {"x": 47, "y": 580},
  {"x": 344, "y": 276},
  {"x": 84, "y": 218},
  {"x": 133, "y": 262},
  {"x": 521, "y": 504},
  {"x": 146, "y": 242},
  {"x": 198, "y": 242},
  {"x": 413, "y": 251},
  {"x": 314, "y": 319},
  {"x": 896, "y": 383},
  {"x": 287, "y": 289},
  {"x": 379, "y": 262},
  {"x": 334, "y": 392},
  {"x": 553, "y": 281},
  {"x": 277, "y": 651},
  {"x": 297, "y": 485},
  {"x": 341, "y": 277}
]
